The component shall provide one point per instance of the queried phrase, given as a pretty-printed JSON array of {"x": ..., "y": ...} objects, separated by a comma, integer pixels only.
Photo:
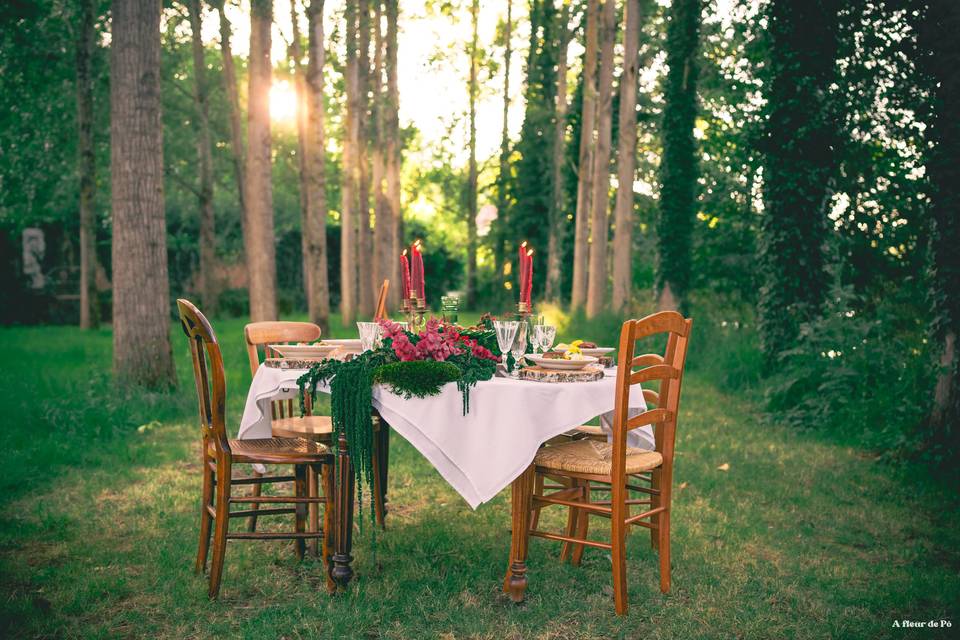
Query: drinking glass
[
  {"x": 506, "y": 333},
  {"x": 369, "y": 335},
  {"x": 449, "y": 306},
  {"x": 547, "y": 334},
  {"x": 519, "y": 347}
]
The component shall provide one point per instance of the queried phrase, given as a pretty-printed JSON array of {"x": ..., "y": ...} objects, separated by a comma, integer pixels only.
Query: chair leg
[
  {"x": 256, "y": 491},
  {"x": 537, "y": 490},
  {"x": 206, "y": 520},
  {"x": 573, "y": 516},
  {"x": 515, "y": 582},
  {"x": 313, "y": 509},
  {"x": 583, "y": 524},
  {"x": 664, "y": 542},
  {"x": 220, "y": 525},
  {"x": 326, "y": 477},
  {"x": 300, "y": 491},
  {"x": 654, "y": 503},
  {"x": 618, "y": 538}
]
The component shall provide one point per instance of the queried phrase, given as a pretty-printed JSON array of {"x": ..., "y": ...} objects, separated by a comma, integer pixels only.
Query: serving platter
[
  {"x": 350, "y": 344},
  {"x": 559, "y": 364},
  {"x": 303, "y": 351},
  {"x": 596, "y": 351}
]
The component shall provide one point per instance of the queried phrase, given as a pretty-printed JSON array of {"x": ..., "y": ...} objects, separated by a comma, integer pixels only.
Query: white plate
[
  {"x": 350, "y": 344},
  {"x": 302, "y": 350},
  {"x": 597, "y": 351},
  {"x": 560, "y": 363}
]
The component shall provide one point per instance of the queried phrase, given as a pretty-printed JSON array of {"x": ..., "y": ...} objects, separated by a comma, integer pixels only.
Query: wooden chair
[
  {"x": 381, "y": 313},
  {"x": 285, "y": 414},
  {"x": 578, "y": 463},
  {"x": 219, "y": 454}
]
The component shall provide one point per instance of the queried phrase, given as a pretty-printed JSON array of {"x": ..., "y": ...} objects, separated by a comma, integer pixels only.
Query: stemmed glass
[
  {"x": 544, "y": 335},
  {"x": 519, "y": 347},
  {"x": 370, "y": 334},
  {"x": 506, "y": 332}
]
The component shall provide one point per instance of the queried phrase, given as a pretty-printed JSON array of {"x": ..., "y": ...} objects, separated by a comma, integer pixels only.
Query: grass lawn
[{"x": 799, "y": 537}]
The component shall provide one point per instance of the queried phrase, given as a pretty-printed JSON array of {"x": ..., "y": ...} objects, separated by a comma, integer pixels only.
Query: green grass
[{"x": 799, "y": 538}]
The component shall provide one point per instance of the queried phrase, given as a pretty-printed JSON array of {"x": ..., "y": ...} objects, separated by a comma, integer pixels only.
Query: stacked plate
[{"x": 559, "y": 363}]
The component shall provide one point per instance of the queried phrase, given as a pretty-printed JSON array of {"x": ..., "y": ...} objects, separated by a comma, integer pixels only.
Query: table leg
[
  {"x": 382, "y": 447},
  {"x": 515, "y": 582},
  {"x": 343, "y": 541}
]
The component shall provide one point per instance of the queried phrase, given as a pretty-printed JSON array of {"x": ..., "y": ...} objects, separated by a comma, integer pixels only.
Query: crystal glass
[
  {"x": 370, "y": 334},
  {"x": 506, "y": 333},
  {"x": 544, "y": 335},
  {"x": 449, "y": 308},
  {"x": 519, "y": 347}
]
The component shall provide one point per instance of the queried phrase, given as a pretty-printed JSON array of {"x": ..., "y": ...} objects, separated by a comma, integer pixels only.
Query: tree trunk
[
  {"x": 315, "y": 224},
  {"x": 383, "y": 222},
  {"x": 472, "y": 168},
  {"x": 141, "y": 291},
  {"x": 503, "y": 175},
  {"x": 208, "y": 238},
  {"x": 597, "y": 285},
  {"x": 587, "y": 151},
  {"x": 348, "y": 187},
  {"x": 295, "y": 55},
  {"x": 260, "y": 247},
  {"x": 626, "y": 158},
  {"x": 554, "y": 237},
  {"x": 233, "y": 99},
  {"x": 87, "y": 167},
  {"x": 365, "y": 297},
  {"x": 392, "y": 121}
]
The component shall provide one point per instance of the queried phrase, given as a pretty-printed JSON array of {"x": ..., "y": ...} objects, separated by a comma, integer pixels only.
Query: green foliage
[{"x": 416, "y": 379}]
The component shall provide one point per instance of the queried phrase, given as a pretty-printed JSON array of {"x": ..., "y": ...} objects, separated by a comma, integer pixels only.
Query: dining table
[{"x": 479, "y": 452}]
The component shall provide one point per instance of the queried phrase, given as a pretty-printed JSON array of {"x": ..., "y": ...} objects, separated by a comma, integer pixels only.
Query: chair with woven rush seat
[
  {"x": 219, "y": 454},
  {"x": 578, "y": 464}
]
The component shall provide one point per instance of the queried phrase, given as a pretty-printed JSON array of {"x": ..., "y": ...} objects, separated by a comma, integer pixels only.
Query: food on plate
[{"x": 570, "y": 351}]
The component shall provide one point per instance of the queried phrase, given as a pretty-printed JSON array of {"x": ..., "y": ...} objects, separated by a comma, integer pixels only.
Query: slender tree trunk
[
  {"x": 554, "y": 237},
  {"x": 366, "y": 296},
  {"x": 315, "y": 227},
  {"x": 348, "y": 187},
  {"x": 503, "y": 176},
  {"x": 233, "y": 99},
  {"x": 578, "y": 295},
  {"x": 383, "y": 222},
  {"x": 626, "y": 158},
  {"x": 295, "y": 54},
  {"x": 208, "y": 238},
  {"x": 472, "y": 169},
  {"x": 87, "y": 167},
  {"x": 597, "y": 285},
  {"x": 260, "y": 247},
  {"x": 392, "y": 120},
  {"x": 141, "y": 291}
]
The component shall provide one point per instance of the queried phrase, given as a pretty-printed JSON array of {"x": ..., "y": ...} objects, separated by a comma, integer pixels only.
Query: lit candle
[
  {"x": 529, "y": 275},
  {"x": 405, "y": 273},
  {"x": 522, "y": 269},
  {"x": 419, "y": 286}
]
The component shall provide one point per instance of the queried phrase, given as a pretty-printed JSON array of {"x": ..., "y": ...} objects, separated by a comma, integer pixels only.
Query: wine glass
[
  {"x": 547, "y": 334},
  {"x": 519, "y": 347},
  {"x": 370, "y": 334},
  {"x": 506, "y": 332}
]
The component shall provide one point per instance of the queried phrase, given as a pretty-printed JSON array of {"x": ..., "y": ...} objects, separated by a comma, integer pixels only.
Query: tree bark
[
  {"x": 626, "y": 159},
  {"x": 349, "y": 184},
  {"x": 87, "y": 167},
  {"x": 141, "y": 291},
  {"x": 295, "y": 55},
  {"x": 554, "y": 234},
  {"x": 383, "y": 222},
  {"x": 315, "y": 224},
  {"x": 586, "y": 161},
  {"x": 365, "y": 297},
  {"x": 472, "y": 167},
  {"x": 503, "y": 175},
  {"x": 208, "y": 238},
  {"x": 597, "y": 284},
  {"x": 260, "y": 247},
  {"x": 233, "y": 99},
  {"x": 392, "y": 123}
]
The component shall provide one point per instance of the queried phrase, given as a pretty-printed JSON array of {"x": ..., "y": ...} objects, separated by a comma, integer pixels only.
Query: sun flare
[{"x": 283, "y": 102}]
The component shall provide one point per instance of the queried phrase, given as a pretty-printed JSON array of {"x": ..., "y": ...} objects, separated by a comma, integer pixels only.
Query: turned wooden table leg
[
  {"x": 521, "y": 490},
  {"x": 343, "y": 540},
  {"x": 382, "y": 446}
]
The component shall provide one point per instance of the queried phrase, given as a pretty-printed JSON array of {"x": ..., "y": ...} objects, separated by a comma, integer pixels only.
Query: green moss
[{"x": 419, "y": 379}]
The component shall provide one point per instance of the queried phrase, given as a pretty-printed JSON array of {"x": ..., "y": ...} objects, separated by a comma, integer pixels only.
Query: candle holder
[
  {"x": 414, "y": 309},
  {"x": 524, "y": 309}
]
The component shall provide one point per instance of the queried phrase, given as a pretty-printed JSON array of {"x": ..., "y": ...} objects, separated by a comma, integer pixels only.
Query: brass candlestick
[{"x": 414, "y": 309}]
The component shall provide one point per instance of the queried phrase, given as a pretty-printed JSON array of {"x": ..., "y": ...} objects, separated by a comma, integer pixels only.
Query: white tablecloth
[{"x": 481, "y": 453}]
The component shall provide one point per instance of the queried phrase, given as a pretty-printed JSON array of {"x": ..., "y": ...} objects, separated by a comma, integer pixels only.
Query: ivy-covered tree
[
  {"x": 678, "y": 164},
  {"x": 799, "y": 144}
]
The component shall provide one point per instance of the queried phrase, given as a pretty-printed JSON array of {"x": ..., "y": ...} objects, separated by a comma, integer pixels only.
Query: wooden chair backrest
[
  {"x": 381, "y": 313},
  {"x": 262, "y": 335},
  {"x": 667, "y": 369},
  {"x": 208, "y": 376}
]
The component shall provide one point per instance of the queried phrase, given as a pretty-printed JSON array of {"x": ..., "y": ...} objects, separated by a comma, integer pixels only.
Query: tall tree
[
  {"x": 208, "y": 238},
  {"x": 392, "y": 135},
  {"x": 315, "y": 227},
  {"x": 350, "y": 212},
  {"x": 588, "y": 111},
  {"x": 799, "y": 143},
  {"x": 678, "y": 167},
  {"x": 383, "y": 251},
  {"x": 141, "y": 291},
  {"x": 258, "y": 231},
  {"x": 599, "y": 224},
  {"x": 472, "y": 168},
  {"x": 555, "y": 233},
  {"x": 233, "y": 100},
  {"x": 295, "y": 57},
  {"x": 365, "y": 297},
  {"x": 626, "y": 158},
  {"x": 939, "y": 60},
  {"x": 503, "y": 175},
  {"x": 86, "y": 166}
]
